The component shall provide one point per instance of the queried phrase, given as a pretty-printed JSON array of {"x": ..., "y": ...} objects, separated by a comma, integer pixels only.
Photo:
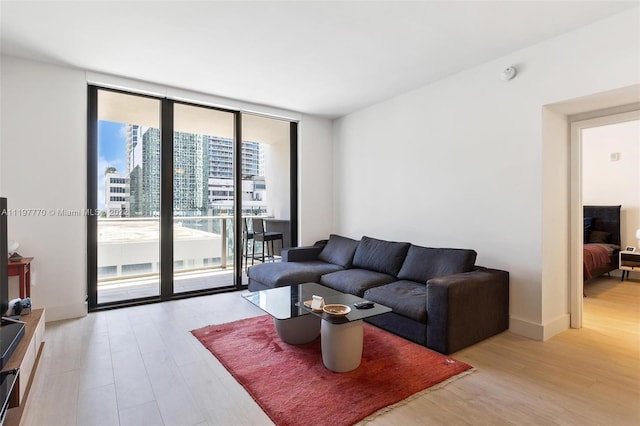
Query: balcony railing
[{"x": 129, "y": 255}]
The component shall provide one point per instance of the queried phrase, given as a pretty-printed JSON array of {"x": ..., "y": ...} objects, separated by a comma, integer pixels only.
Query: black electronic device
[
  {"x": 7, "y": 382},
  {"x": 364, "y": 305},
  {"x": 11, "y": 331},
  {"x": 4, "y": 256}
]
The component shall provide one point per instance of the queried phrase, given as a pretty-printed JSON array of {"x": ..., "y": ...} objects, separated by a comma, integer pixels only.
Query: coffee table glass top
[
  {"x": 287, "y": 302},
  {"x": 281, "y": 302}
]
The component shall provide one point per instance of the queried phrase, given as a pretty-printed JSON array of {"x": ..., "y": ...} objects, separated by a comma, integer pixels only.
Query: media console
[{"x": 24, "y": 361}]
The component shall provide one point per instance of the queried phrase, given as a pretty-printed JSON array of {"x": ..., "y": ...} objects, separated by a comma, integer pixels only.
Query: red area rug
[{"x": 293, "y": 387}]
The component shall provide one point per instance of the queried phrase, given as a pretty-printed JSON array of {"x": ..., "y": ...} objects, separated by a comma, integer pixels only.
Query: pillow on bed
[
  {"x": 599, "y": 237},
  {"x": 588, "y": 223}
]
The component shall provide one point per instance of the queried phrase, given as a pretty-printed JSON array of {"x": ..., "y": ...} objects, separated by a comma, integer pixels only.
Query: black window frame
[{"x": 166, "y": 204}]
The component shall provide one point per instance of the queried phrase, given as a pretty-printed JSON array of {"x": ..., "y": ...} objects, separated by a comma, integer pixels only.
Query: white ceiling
[{"x": 318, "y": 57}]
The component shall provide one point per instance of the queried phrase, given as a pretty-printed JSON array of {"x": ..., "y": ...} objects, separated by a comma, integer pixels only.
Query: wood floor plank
[
  {"x": 133, "y": 386},
  {"x": 146, "y": 362},
  {"x": 142, "y": 415},
  {"x": 98, "y": 406}
]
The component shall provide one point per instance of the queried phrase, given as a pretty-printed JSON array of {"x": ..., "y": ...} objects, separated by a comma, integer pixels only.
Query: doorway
[{"x": 605, "y": 154}]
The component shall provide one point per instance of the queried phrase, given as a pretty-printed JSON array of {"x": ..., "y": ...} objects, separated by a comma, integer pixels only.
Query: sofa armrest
[
  {"x": 466, "y": 308},
  {"x": 301, "y": 254}
]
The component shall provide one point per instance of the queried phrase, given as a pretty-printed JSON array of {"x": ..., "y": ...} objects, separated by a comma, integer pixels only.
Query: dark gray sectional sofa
[{"x": 439, "y": 297}]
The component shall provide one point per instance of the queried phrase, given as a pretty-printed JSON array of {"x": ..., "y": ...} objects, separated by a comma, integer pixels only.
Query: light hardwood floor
[{"x": 141, "y": 366}]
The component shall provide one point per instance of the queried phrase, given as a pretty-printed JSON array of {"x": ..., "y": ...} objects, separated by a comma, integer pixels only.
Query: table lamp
[{"x": 12, "y": 248}]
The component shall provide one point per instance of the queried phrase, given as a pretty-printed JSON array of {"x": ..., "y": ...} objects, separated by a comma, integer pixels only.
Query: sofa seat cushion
[
  {"x": 380, "y": 256},
  {"x": 423, "y": 263},
  {"x": 339, "y": 250},
  {"x": 407, "y": 298},
  {"x": 355, "y": 281},
  {"x": 281, "y": 274}
]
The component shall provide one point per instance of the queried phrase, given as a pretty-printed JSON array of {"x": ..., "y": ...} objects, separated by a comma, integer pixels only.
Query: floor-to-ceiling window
[
  {"x": 174, "y": 190},
  {"x": 266, "y": 183},
  {"x": 202, "y": 236},
  {"x": 126, "y": 183}
]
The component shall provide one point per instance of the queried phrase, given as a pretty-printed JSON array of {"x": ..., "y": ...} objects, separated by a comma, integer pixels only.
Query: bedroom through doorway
[{"x": 609, "y": 164}]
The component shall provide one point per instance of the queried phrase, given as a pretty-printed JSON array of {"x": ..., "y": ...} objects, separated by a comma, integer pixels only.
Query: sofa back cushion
[
  {"x": 380, "y": 256},
  {"x": 339, "y": 251},
  {"x": 424, "y": 263}
]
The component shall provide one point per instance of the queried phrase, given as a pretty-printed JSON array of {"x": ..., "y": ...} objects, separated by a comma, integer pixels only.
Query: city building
[
  {"x": 203, "y": 174},
  {"x": 190, "y": 164},
  {"x": 116, "y": 194},
  {"x": 220, "y": 191}
]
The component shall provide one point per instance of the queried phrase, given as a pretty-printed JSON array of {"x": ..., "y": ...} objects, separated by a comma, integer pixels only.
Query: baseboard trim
[
  {"x": 526, "y": 328},
  {"x": 538, "y": 331},
  {"x": 556, "y": 326}
]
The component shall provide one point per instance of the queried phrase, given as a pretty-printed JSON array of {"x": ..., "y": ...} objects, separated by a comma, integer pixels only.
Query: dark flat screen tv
[
  {"x": 10, "y": 331},
  {"x": 4, "y": 255}
]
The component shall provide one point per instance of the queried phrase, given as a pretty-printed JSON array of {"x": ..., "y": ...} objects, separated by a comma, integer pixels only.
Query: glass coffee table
[{"x": 341, "y": 336}]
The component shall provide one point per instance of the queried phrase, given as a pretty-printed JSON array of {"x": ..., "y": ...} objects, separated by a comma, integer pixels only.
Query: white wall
[
  {"x": 315, "y": 174},
  {"x": 463, "y": 162},
  {"x": 606, "y": 182},
  {"x": 555, "y": 255},
  {"x": 43, "y": 166}
]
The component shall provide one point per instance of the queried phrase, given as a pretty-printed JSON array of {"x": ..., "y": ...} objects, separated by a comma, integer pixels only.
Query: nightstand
[{"x": 629, "y": 261}]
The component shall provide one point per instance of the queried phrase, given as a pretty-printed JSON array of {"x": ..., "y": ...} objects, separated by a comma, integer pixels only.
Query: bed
[{"x": 601, "y": 240}]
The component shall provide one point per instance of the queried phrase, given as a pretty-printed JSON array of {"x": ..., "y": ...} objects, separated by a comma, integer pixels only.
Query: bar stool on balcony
[
  {"x": 246, "y": 236},
  {"x": 267, "y": 239}
]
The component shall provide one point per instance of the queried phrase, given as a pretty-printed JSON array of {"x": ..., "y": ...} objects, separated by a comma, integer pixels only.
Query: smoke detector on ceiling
[{"x": 508, "y": 73}]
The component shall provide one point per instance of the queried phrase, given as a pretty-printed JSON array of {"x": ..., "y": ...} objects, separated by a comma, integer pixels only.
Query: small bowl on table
[{"x": 336, "y": 310}]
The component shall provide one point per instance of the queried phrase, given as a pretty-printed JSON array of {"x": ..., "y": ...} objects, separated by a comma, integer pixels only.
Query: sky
[
  {"x": 112, "y": 152},
  {"x": 112, "y": 145}
]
